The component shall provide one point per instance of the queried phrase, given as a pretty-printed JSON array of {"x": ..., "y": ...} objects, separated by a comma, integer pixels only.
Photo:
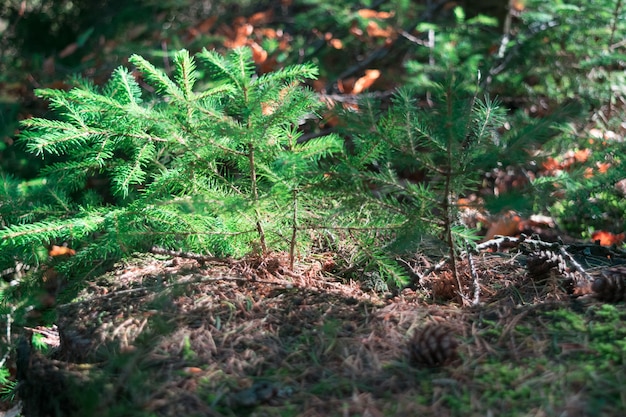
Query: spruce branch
[
  {"x": 185, "y": 73},
  {"x": 126, "y": 83},
  {"x": 157, "y": 78}
]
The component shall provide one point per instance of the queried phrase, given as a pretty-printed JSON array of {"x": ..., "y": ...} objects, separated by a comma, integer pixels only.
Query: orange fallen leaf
[
  {"x": 346, "y": 85},
  {"x": 567, "y": 348},
  {"x": 331, "y": 120},
  {"x": 607, "y": 238},
  {"x": 365, "y": 81},
  {"x": 355, "y": 30},
  {"x": 261, "y": 18},
  {"x": 449, "y": 5},
  {"x": 518, "y": 5},
  {"x": 259, "y": 55},
  {"x": 238, "y": 37},
  {"x": 268, "y": 65},
  {"x": 270, "y": 107},
  {"x": 582, "y": 155},
  {"x": 319, "y": 85},
  {"x": 603, "y": 167},
  {"x": 464, "y": 203},
  {"x": 206, "y": 25},
  {"x": 550, "y": 164},
  {"x": 493, "y": 49},
  {"x": 268, "y": 33},
  {"x": 202, "y": 27},
  {"x": 60, "y": 251},
  {"x": 285, "y": 43},
  {"x": 336, "y": 43},
  {"x": 375, "y": 31},
  {"x": 373, "y": 14},
  {"x": 505, "y": 225}
]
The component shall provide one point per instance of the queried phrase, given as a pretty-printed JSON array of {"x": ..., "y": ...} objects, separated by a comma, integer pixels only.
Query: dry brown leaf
[
  {"x": 373, "y": 14},
  {"x": 68, "y": 50},
  {"x": 621, "y": 186},
  {"x": 60, "y": 251},
  {"x": 203, "y": 27},
  {"x": 268, "y": 109},
  {"x": 49, "y": 65},
  {"x": 375, "y": 31},
  {"x": 206, "y": 25},
  {"x": 331, "y": 120},
  {"x": 607, "y": 238},
  {"x": 261, "y": 18},
  {"x": 518, "y": 5},
  {"x": 268, "y": 33},
  {"x": 550, "y": 165},
  {"x": 603, "y": 167},
  {"x": 268, "y": 65},
  {"x": 356, "y": 30},
  {"x": 506, "y": 224},
  {"x": 365, "y": 81},
  {"x": 336, "y": 43},
  {"x": 319, "y": 85},
  {"x": 346, "y": 85},
  {"x": 192, "y": 370},
  {"x": 259, "y": 55},
  {"x": 582, "y": 155},
  {"x": 240, "y": 35}
]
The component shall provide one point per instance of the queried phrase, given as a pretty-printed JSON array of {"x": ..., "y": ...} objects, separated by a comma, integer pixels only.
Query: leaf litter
[{"x": 176, "y": 336}]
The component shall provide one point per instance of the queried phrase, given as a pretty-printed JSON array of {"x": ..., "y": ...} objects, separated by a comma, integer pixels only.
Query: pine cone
[
  {"x": 433, "y": 345},
  {"x": 541, "y": 263},
  {"x": 611, "y": 285}
]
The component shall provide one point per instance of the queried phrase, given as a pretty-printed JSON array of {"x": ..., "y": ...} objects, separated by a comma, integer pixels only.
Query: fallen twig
[
  {"x": 575, "y": 264},
  {"x": 474, "y": 274}
]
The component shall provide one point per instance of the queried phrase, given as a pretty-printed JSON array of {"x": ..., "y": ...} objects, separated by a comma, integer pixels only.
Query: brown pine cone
[
  {"x": 433, "y": 345},
  {"x": 542, "y": 263},
  {"x": 611, "y": 285}
]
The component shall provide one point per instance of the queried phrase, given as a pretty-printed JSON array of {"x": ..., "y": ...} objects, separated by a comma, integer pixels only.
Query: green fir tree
[
  {"x": 411, "y": 165},
  {"x": 209, "y": 163}
]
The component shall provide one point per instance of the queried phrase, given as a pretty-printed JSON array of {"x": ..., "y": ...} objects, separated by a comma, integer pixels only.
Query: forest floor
[
  {"x": 173, "y": 336},
  {"x": 162, "y": 335}
]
